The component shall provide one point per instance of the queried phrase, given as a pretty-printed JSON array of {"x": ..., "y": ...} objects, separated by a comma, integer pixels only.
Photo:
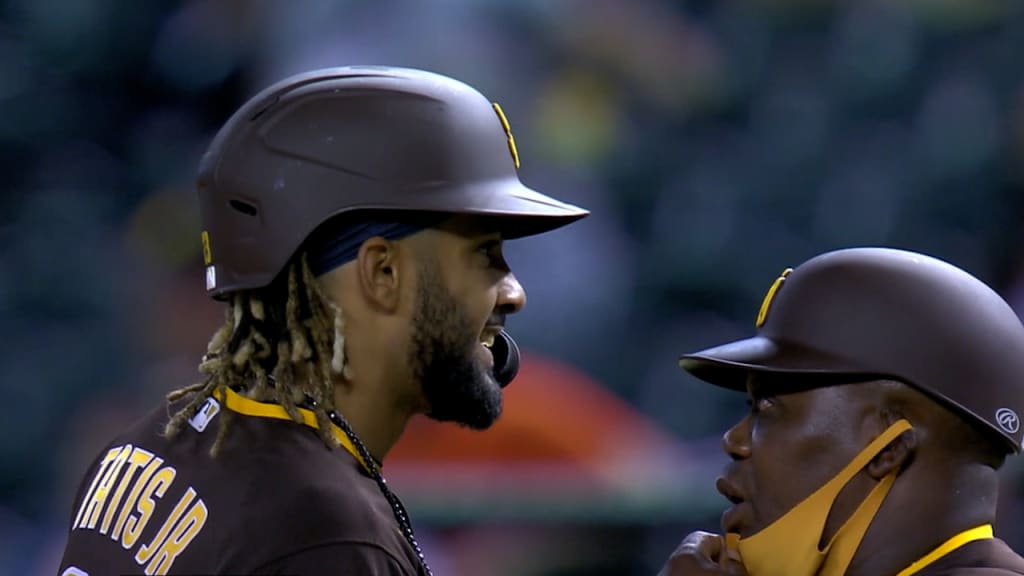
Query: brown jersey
[
  {"x": 989, "y": 557},
  {"x": 275, "y": 500}
]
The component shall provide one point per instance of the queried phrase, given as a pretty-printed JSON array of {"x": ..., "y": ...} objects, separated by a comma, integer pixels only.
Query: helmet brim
[
  {"x": 516, "y": 210},
  {"x": 729, "y": 365}
]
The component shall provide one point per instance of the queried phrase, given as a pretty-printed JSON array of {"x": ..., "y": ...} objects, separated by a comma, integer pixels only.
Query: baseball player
[
  {"x": 885, "y": 391},
  {"x": 353, "y": 221}
]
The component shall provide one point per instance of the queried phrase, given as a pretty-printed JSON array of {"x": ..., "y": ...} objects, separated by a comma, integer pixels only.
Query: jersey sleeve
[{"x": 344, "y": 558}]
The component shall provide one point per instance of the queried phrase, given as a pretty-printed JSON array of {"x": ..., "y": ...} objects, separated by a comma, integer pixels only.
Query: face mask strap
[
  {"x": 847, "y": 539},
  {"x": 789, "y": 546},
  {"x": 830, "y": 490},
  {"x": 860, "y": 461}
]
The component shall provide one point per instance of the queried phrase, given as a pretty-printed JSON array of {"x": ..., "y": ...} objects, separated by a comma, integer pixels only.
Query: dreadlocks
[{"x": 288, "y": 328}]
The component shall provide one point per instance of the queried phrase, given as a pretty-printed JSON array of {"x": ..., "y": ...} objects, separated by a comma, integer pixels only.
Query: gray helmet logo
[{"x": 1008, "y": 420}]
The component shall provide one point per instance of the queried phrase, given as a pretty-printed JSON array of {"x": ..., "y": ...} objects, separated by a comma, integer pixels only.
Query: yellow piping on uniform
[
  {"x": 983, "y": 532},
  {"x": 237, "y": 403}
]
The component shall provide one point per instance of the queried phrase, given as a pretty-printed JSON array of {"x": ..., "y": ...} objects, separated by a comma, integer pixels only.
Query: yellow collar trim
[
  {"x": 983, "y": 532},
  {"x": 247, "y": 406}
]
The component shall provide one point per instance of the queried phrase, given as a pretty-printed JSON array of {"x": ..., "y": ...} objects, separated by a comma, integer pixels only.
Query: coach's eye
[{"x": 760, "y": 403}]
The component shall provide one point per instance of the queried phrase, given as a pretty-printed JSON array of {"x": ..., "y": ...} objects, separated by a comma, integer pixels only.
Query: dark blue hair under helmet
[{"x": 336, "y": 244}]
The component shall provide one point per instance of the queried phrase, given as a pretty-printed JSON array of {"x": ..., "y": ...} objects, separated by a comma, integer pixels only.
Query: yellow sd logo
[
  {"x": 207, "y": 255},
  {"x": 762, "y": 314},
  {"x": 508, "y": 133}
]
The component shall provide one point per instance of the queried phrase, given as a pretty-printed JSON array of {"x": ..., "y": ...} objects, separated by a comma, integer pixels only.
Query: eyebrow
[
  {"x": 758, "y": 387},
  {"x": 751, "y": 384},
  {"x": 775, "y": 385},
  {"x": 488, "y": 240},
  {"x": 755, "y": 392}
]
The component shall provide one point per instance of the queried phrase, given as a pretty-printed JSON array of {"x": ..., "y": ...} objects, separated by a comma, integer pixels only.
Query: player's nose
[{"x": 511, "y": 295}]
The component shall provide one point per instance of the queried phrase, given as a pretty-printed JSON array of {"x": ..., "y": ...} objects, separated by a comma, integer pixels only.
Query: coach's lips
[
  {"x": 729, "y": 490},
  {"x": 732, "y": 516}
]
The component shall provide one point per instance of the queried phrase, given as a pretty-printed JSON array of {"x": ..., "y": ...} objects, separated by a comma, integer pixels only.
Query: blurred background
[{"x": 716, "y": 142}]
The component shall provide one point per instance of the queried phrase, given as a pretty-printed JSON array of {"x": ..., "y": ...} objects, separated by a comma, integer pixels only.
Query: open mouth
[
  {"x": 490, "y": 333},
  {"x": 487, "y": 339}
]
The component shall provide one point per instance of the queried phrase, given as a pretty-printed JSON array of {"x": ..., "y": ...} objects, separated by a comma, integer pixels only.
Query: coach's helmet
[
  {"x": 339, "y": 140},
  {"x": 884, "y": 313}
]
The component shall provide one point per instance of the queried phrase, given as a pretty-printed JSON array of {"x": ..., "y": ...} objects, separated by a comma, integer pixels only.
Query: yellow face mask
[{"x": 789, "y": 546}]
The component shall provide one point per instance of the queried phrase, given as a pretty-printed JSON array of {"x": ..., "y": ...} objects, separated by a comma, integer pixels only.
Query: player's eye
[{"x": 491, "y": 250}]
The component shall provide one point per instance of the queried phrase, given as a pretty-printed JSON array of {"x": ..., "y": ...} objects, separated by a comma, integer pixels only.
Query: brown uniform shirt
[
  {"x": 275, "y": 500},
  {"x": 990, "y": 557}
]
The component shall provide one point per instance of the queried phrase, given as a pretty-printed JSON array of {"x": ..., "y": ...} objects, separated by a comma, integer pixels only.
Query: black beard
[{"x": 458, "y": 388}]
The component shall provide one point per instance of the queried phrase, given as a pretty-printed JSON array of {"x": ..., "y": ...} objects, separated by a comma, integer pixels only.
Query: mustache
[{"x": 497, "y": 319}]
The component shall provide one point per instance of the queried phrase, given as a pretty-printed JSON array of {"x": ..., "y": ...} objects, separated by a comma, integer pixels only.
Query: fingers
[
  {"x": 703, "y": 554},
  {"x": 704, "y": 546}
]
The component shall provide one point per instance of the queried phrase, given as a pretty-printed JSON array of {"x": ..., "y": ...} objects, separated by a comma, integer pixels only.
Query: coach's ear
[{"x": 894, "y": 457}]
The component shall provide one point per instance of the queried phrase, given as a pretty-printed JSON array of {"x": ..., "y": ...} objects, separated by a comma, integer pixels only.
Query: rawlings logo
[{"x": 1008, "y": 420}]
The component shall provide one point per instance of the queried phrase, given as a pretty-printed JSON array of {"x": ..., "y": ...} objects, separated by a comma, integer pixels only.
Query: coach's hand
[{"x": 702, "y": 554}]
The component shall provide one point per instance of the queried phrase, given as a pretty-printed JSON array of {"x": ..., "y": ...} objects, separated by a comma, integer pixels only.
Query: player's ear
[{"x": 380, "y": 273}]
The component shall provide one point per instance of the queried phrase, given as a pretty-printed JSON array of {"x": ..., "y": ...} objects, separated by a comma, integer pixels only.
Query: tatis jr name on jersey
[{"x": 122, "y": 497}]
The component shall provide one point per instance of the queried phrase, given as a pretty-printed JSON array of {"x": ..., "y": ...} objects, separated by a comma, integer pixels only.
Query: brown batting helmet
[
  {"x": 339, "y": 140},
  {"x": 884, "y": 313}
]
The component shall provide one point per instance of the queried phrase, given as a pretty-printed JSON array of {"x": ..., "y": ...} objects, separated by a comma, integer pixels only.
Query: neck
[
  {"x": 922, "y": 519},
  {"x": 375, "y": 418}
]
